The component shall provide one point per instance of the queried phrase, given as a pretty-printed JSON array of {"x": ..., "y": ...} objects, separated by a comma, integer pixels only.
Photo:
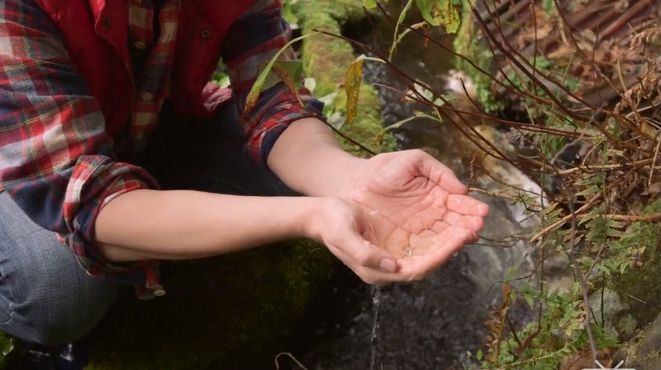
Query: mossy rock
[
  {"x": 233, "y": 309},
  {"x": 326, "y": 59},
  {"x": 644, "y": 352},
  {"x": 642, "y": 283}
]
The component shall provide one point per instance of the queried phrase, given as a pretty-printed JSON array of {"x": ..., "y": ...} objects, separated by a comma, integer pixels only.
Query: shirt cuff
[
  {"x": 277, "y": 118},
  {"x": 96, "y": 181}
]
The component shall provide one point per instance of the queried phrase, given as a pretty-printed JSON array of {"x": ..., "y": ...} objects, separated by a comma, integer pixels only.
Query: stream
[{"x": 435, "y": 323}]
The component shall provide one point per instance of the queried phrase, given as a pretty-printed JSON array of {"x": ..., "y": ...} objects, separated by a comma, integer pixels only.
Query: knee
[{"x": 53, "y": 301}]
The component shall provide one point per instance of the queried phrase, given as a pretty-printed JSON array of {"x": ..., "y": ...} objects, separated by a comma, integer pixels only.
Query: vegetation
[
  {"x": 584, "y": 122},
  {"x": 5, "y": 347},
  {"x": 595, "y": 156},
  {"x": 326, "y": 59},
  {"x": 233, "y": 309}
]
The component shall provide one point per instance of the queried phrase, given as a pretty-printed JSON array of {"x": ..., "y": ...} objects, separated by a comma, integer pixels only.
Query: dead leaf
[
  {"x": 285, "y": 77},
  {"x": 352, "y": 82},
  {"x": 583, "y": 360}
]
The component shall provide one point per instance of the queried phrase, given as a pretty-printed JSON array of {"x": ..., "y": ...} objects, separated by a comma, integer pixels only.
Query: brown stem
[
  {"x": 518, "y": 60},
  {"x": 605, "y": 167},
  {"x": 564, "y": 220},
  {"x": 582, "y": 278}
]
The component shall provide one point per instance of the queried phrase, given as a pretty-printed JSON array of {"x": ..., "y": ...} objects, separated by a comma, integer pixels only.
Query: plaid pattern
[
  {"x": 251, "y": 43},
  {"x": 153, "y": 85},
  {"x": 56, "y": 159}
]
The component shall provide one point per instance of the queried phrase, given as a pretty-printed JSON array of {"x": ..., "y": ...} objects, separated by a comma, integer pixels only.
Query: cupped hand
[{"x": 414, "y": 212}]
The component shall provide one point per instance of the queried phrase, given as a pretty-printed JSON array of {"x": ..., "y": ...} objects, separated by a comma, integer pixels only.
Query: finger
[
  {"x": 472, "y": 223},
  {"x": 366, "y": 274},
  {"x": 365, "y": 254},
  {"x": 439, "y": 173},
  {"x": 449, "y": 242},
  {"x": 467, "y": 205},
  {"x": 440, "y": 226}
]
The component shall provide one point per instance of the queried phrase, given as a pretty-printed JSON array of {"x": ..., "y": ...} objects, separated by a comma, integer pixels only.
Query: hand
[
  {"x": 416, "y": 210},
  {"x": 344, "y": 227}
]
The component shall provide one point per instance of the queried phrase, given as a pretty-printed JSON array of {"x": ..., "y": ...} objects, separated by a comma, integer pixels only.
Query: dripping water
[{"x": 376, "y": 302}]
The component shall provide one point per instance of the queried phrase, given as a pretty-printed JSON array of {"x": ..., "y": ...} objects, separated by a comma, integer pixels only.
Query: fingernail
[{"x": 388, "y": 265}]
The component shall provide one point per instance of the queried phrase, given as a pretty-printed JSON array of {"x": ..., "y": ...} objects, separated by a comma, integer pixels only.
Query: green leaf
[
  {"x": 440, "y": 13},
  {"x": 257, "y": 87},
  {"x": 5, "y": 347},
  {"x": 369, "y": 4},
  {"x": 352, "y": 82},
  {"x": 396, "y": 38}
]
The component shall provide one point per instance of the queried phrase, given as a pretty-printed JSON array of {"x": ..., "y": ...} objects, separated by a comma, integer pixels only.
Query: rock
[
  {"x": 617, "y": 321},
  {"x": 326, "y": 59},
  {"x": 646, "y": 353}
]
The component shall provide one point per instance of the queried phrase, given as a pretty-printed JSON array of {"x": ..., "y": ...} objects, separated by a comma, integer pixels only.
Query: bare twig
[
  {"x": 656, "y": 155},
  {"x": 582, "y": 278},
  {"x": 606, "y": 167},
  {"x": 287, "y": 354},
  {"x": 654, "y": 217}
]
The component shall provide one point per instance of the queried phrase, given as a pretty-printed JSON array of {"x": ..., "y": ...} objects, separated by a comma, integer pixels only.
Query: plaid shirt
[{"x": 56, "y": 160}]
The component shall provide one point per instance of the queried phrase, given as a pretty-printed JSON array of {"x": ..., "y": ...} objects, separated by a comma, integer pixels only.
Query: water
[
  {"x": 376, "y": 301},
  {"x": 435, "y": 323}
]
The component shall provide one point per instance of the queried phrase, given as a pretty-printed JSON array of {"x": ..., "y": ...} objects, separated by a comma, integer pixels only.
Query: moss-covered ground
[{"x": 226, "y": 312}]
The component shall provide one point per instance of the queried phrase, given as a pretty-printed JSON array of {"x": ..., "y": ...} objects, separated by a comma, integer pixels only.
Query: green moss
[
  {"x": 217, "y": 311},
  {"x": 326, "y": 58},
  {"x": 5, "y": 347},
  {"x": 340, "y": 10}
]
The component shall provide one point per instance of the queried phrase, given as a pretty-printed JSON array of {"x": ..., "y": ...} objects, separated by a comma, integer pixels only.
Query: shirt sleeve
[
  {"x": 56, "y": 161},
  {"x": 252, "y": 41}
]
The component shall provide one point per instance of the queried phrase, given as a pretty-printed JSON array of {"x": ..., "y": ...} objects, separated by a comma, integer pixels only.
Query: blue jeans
[{"x": 45, "y": 297}]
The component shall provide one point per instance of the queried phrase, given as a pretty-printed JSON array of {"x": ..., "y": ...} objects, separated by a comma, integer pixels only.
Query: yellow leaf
[
  {"x": 440, "y": 13},
  {"x": 352, "y": 83},
  {"x": 256, "y": 89},
  {"x": 285, "y": 77}
]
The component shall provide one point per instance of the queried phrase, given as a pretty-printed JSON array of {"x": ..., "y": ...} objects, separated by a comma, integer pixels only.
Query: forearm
[
  {"x": 178, "y": 224},
  {"x": 308, "y": 158}
]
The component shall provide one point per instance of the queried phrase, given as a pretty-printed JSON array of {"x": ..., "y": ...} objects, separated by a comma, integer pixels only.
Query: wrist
[
  {"x": 347, "y": 176},
  {"x": 308, "y": 158},
  {"x": 308, "y": 222},
  {"x": 322, "y": 216}
]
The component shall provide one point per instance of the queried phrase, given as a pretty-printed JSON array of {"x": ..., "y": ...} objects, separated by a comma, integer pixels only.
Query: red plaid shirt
[{"x": 56, "y": 160}]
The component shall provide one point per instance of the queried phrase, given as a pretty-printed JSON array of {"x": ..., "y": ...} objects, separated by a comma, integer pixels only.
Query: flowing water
[{"x": 435, "y": 323}]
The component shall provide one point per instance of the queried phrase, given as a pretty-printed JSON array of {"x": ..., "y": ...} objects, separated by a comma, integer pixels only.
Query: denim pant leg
[{"x": 45, "y": 296}]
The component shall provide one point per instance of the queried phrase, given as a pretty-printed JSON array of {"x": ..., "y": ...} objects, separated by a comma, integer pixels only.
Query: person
[{"x": 86, "y": 90}]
